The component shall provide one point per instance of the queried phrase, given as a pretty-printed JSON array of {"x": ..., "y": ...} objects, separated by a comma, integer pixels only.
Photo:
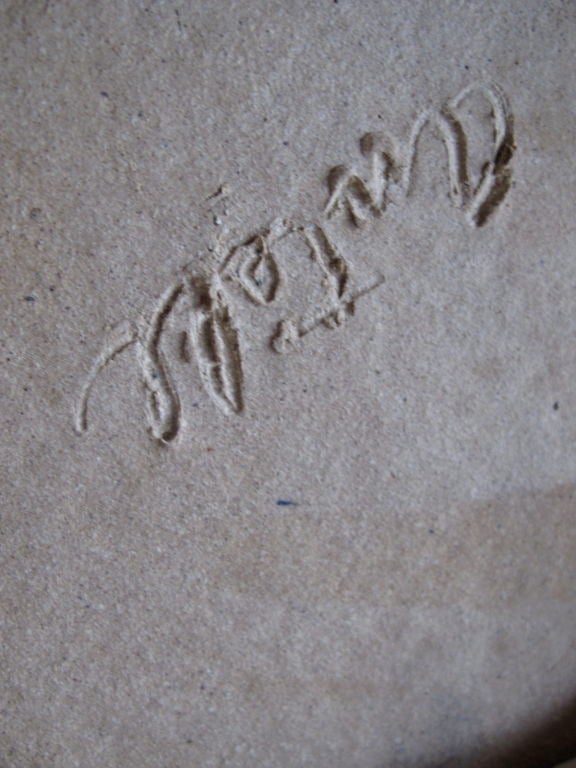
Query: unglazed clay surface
[{"x": 288, "y": 360}]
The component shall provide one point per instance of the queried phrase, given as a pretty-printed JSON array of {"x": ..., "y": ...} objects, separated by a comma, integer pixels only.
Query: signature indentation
[{"x": 213, "y": 338}]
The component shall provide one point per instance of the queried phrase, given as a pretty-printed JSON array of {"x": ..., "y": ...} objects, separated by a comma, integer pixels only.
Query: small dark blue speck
[
  {"x": 30, "y": 298},
  {"x": 285, "y": 503}
]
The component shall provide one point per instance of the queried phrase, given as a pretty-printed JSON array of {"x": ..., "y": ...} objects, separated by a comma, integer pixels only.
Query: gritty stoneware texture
[{"x": 287, "y": 402}]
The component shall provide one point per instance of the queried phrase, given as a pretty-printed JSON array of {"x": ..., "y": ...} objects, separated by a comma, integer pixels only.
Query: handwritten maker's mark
[{"x": 213, "y": 338}]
